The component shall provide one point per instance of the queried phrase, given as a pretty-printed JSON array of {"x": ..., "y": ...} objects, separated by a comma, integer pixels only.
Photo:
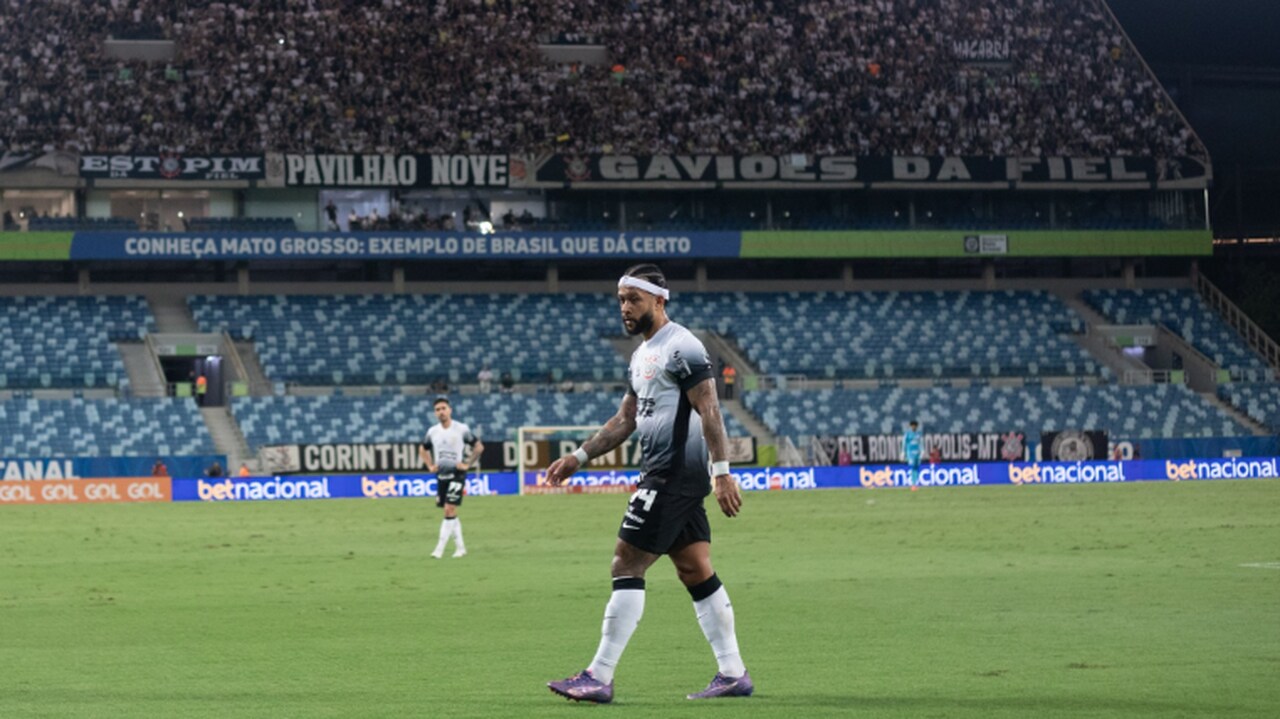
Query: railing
[
  {"x": 1258, "y": 340},
  {"x": 1155, "y": 376},
  {"x": 150, "y": 343},
  {"x": 234, "y": 354}
]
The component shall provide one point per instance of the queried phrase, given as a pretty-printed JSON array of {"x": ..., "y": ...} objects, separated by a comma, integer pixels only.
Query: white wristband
[
  {"x": 581, "y": 455},
  {"x": 719, "y": 468}
]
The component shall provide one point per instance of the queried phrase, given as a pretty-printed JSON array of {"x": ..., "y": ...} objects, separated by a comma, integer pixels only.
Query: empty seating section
[
  {"x": 405, "y": 418},
  {"x": 1261, "y": 401},
  {"x": 102, "y": 428},
  {"x": 895, "y": 334},
  {"x": 66, "y": 341},
  {"x": 379, "y": 339},
  {"x": 1184, "y": 313},
  {"x": 416, "y": 339},
  {"x": 241, "y": 224},
  {"x": 82, "y": 224},
  {"x": 1137, "y": 412}
]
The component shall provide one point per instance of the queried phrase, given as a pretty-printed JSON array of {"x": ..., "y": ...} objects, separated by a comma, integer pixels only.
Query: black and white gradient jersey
[
  {"x": 447, "y": 445},
  {"x": 663, "y": 369}
]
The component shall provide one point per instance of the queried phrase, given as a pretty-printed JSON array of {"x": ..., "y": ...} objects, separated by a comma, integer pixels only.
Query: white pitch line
[{"x": 1262, "y": 565}]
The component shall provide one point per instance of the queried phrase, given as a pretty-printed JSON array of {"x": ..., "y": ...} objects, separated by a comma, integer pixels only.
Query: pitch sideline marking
[{"x": 1262, "y": 565}]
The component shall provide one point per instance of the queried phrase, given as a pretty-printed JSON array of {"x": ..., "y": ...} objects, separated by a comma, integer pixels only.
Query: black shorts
[
  {"x": 451, "y": 486},
  {"x": 660, "y": 523}
]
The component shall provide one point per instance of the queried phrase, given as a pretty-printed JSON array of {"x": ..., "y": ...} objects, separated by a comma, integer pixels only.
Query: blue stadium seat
[
  {"x": 1183, "y": 312},
  {"x": 66, "y": 341},
  {"x": 1138, "y": 412},
  {"x": 398, "y": 417},
  {"x": 102, "y": 428}
]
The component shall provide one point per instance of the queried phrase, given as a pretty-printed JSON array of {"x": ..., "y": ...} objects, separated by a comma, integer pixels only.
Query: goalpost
[{"x": 560, "y": 440}]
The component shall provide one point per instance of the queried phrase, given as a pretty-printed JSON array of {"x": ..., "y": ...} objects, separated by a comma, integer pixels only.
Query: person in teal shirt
[{"x": 912, "y": 450}]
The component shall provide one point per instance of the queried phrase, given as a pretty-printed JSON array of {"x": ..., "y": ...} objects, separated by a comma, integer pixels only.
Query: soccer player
[
  {"x": 912, "y": 451},
  {"x": 444, "y": 454},
  {"x": 671, "y": 401}
]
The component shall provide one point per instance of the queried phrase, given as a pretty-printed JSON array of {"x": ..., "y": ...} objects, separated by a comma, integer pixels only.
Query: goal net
[{"x": 538, "y": 446}]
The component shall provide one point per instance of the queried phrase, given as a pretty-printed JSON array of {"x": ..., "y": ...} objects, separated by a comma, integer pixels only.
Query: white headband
[{"x": 636, "y": 282}]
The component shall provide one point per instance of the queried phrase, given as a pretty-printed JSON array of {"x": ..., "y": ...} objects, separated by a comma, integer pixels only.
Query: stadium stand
[
  {"x": 1260, "y": 401},
  {"x": 66, "y": 341},
  {"x": 1136, "y": 412},
  {"x": 820, "y": 76},
  {"x": 81, "y": 224},
  {"x": 896, "y": 334},
  {"x": 1184, "y": 313},
  {"x": 241, "y": 224},
  {"x": 399, "y": 417},
  {"x": 102, "y": 428},
  {"x": 418, "y": 339}
]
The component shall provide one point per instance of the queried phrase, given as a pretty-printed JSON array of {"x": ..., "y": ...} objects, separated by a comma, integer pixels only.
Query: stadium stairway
[
  {"x": 748, "y": 419},
  {"x": 259, "y": 384},
  {"x": 1095, "y": 344},
  {"x": 172, "y": 314},
  {"x": 227, "y": 436},
  {"x": 1235, "y": 413},
  {"x": 145, "y": 377}
]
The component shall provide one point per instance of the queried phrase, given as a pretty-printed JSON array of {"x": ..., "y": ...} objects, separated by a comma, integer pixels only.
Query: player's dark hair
[
  {"x": 440, "y": 399},
  {"x": 649, "y": 273}
]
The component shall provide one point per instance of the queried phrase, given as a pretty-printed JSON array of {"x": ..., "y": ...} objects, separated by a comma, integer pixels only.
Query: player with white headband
[{"x": 671, "y": 402}]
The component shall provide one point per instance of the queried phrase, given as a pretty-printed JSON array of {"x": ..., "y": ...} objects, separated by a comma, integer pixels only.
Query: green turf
[{"x": 1034, "y": 601}]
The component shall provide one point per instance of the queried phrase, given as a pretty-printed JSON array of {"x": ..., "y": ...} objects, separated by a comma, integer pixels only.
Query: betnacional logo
[
  {"x": 775, "y": 479},
  {"x": 611, "y": 478},
  {"x": 231, "y": 490},
  {"x": 1178, "y": 471},
  {"x": 946, "y": 475},
  {"x": 1230, "y": 468},
  {"x": 1066, "y": 473},
  {"x": 391, "y": 486},
  {"x": 882, "y": 477}
]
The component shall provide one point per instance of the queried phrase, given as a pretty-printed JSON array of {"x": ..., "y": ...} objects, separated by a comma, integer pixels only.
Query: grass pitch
[{"x": 1090, "y": 601}]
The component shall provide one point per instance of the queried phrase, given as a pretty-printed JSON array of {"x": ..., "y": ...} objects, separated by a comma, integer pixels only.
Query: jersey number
[{"x": 648, "y": 496}]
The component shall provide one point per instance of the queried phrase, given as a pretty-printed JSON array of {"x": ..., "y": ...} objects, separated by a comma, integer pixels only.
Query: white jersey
[
  {"x": 447, "y": 445},
  {"x": 663, "y": 369}
]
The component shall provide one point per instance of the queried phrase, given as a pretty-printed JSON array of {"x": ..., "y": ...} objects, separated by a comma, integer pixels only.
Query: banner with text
[
  {"x": 890, "y": 172},
  {"x": 240, "y": 489},
  {"x": 952, "y": 447},
  {"x": 173, "y": 166},
  {"x": 313, "y": 170},
  {"x": 404, "y": 245},
  {"x": 84, "y": 467},
  {"x": 85, "y": 491}
]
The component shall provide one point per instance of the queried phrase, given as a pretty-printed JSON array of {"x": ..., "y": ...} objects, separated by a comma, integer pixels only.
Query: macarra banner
[{"x": 86, "y": 491}]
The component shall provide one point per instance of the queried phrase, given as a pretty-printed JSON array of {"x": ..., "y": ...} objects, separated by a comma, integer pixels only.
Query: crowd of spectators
[{"x": 771, "y": 76}]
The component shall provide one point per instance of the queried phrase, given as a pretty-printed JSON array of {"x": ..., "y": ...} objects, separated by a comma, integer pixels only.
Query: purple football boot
[
  {"x": 722, "y": 686},
  {"x": 582, "y": 687}
]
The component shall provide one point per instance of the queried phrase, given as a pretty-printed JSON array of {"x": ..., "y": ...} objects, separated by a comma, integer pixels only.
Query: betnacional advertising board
[{"x": 750, "y": 479}]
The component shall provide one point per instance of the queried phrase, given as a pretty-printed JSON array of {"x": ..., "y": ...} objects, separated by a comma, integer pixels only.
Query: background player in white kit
[
  {"x": 444, "y": 452},
  {"x": 671, "y": 403}
]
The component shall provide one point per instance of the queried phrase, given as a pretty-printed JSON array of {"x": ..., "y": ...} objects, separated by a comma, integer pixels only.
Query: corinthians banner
[
  {"x": 312, "y": 170},
  {"x": 847, "y": 171},
  {"x": 886, "y": 448},
  {"x": 173, "y": 166}
]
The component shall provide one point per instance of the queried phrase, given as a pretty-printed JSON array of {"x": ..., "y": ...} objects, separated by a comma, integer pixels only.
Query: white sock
[
  {"x": 446, "y": 531},
  {"x": 457, "y": 535},
  {"x": 715, "y": 616},
  {"x": 621, "y": 615}
]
